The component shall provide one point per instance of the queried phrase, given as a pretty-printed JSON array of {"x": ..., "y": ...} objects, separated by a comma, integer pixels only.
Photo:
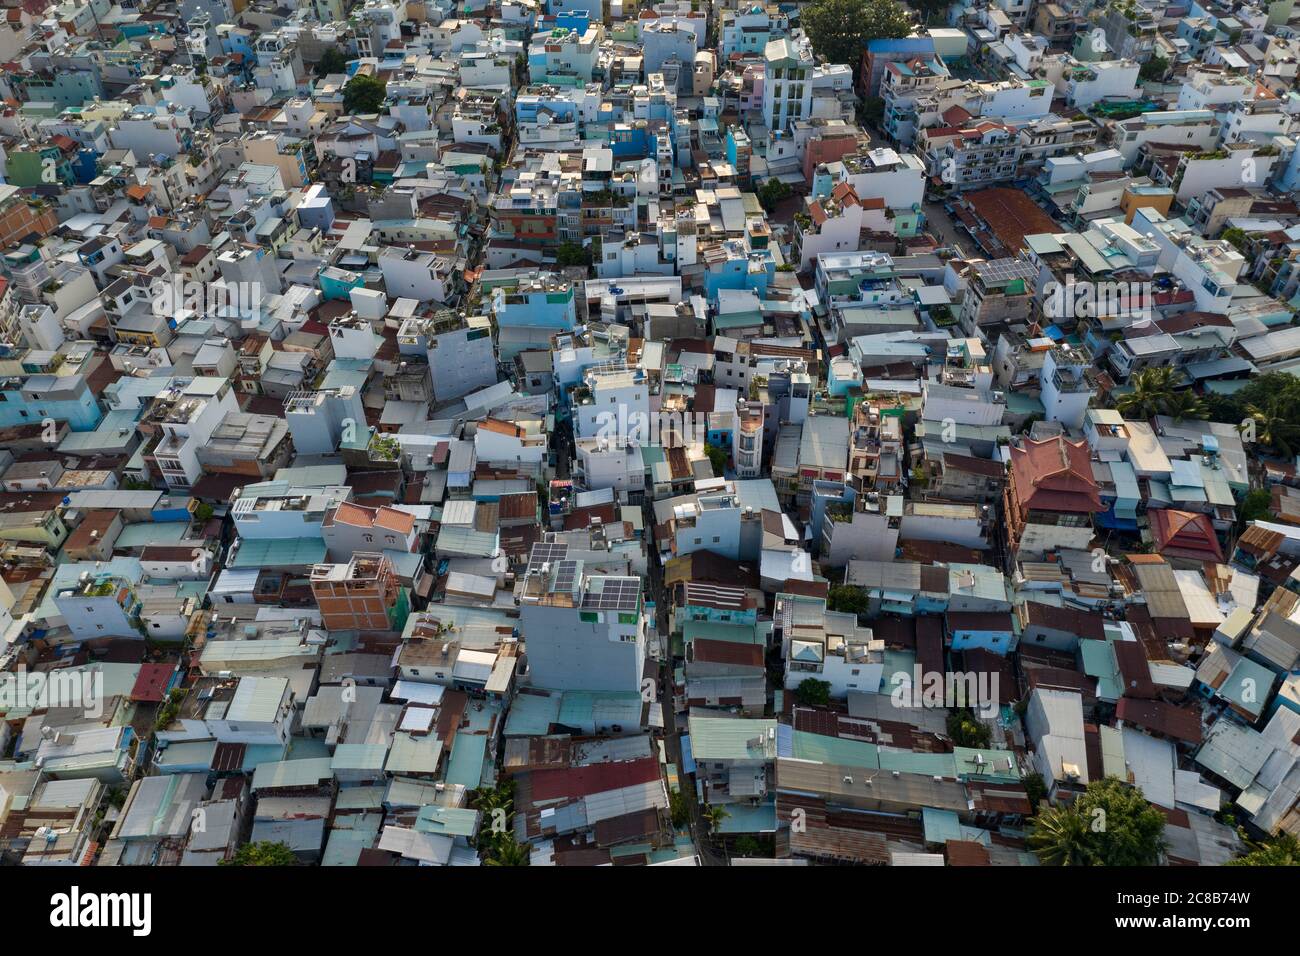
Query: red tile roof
[
  {"x": 576, "y": 782},
  {"x": 1185, "y": 534},
  {"x": 151, "y": 682},
  {"x": 1054, "y": 475}
]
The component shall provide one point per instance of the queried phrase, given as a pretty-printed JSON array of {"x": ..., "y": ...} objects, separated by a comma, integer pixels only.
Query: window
[{"x": 589, "y": 617}]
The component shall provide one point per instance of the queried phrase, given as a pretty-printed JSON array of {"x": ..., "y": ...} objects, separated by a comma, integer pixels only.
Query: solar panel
[
  {"x": 546, "y": 552},
  {"x": 1005, "y": 269},
  {"x": 565, "y": 576},
  {"x": 613, "y": 594}
]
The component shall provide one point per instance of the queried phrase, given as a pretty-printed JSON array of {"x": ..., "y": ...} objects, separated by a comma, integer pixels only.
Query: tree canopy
[
  {"x": 966, "y": 730},
  {"x": 848, "y": 598},
  {"x": 771, "y": 193},
  {"x": 331, "y": 61},
  {"x": 1282, "y": 850},
  {"x": 812, "y": 692},
  {"x": 263, "y": 853},
  {"x": 717, "y": 459},
  {"x": 1155, "y": 392},
  {"x": 1267, "y": 409},
  {"x": 838, "y": 29},
  {"x": 364, "y": 94},
  {"x": 1109, "y": 824}
]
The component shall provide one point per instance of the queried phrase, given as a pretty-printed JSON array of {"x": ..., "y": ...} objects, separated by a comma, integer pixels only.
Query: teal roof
[
  {"x": 144, "y": 533},
  {"x": 278, "y": 552},
  {"x": 292, "y": 773},
  {"x": 107, "y": 434},
  {"x": 257, "y": 754},
  {"x": 589, "y": 709},
  {"x": 531, "y": 715},
  {"x": 1248, "y": 686},
  {"x": 350, "y": 834},
  {"x": 313, "y": 476},
  {"x": 733, "y": 738},
  {"x": 359, "y": 757},
  {"x": 944, "y": 825},
  {"x": 907, "y": 761},
  {"x": 447, "y": 821},
  {"x": 176, "y": 757},
  {"x": 1099, "y": 662},
  {"x": 466, "y": 764},
  {"x": 410, "y": 754},
  {"x": 360, "y": 798},
  {"x": 744, "y": 818},
  {"x": 717, "y": 631},
  {"x": 837, "y": 750},
  {"x": 982, "y": 763}
]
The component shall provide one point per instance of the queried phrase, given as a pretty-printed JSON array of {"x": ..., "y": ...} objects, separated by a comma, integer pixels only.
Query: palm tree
[
  {"x": 714, "y": 815},
  {"x": 496, "y": 804},
  {"x": 1184, "y": 404},
  {"x": 1059, "y": 835},
  {"x": 1276, "y": 423},
  {"x": 1152, "y": 389},
  {"x": 509, "y": 852}
]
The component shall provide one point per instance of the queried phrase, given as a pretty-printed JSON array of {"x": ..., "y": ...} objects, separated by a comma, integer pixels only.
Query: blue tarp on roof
[
  {"x": 688, "y": 759},
  {"x": 1107, "y": 519}
]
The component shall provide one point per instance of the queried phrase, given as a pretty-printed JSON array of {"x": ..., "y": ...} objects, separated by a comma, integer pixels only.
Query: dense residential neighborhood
[{"x": 578, "y": 433}]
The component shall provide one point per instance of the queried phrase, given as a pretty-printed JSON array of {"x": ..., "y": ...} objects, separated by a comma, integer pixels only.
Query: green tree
[
  {"x": 771, "y": 193},
  {"x": 1127, "y": 831},
  {"x": 1035, "y": 789},
  {"x": 1109, "y": 824},
  {"x": 1256, "y": 506},
  {"x": 331, "y": 61},
  {"x": 364, "y": 94},
  {"x": 572, "y": 254},
  {"x": 263, "y": 853},
  {"x": 1059, "y": 835},
  {"x": 1154, "y": 68},
  {"x": 718, "y": 459},
  {"x": 714, "y": 815},
  {"x": 1276, "y": 421},
  {"x": 967, "y": 730},
  {"x": 1152, "y": 390},
  {"x": 1282, "y": 850},
  {"x": 1236, "y": 237},
  {"x": 848, "y": 598},
  {"x": 839, "y": 29},
  {"x": 748, "y": 846},
  {"x": 932, "y": 11},
  {"x": 507, "y": 851},
  {"x": 1184, "y": 404},
  {"x": 812, "y": 692},
  {"x": 678, "y": 809},
  {"x": 872, "y": 111}
]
